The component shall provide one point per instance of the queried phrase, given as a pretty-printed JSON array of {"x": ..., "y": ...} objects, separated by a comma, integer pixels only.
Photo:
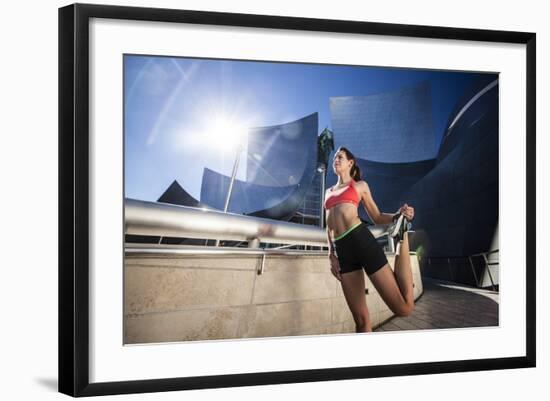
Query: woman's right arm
[
  {"x": 331, "y": 250},
  {"x": 334, "y": 264}
]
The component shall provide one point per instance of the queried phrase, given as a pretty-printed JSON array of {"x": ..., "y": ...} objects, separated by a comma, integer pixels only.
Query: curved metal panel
[
  {"x": 289, "y": 155},
  {"x": 478, "y": 109},
  {"x": 245, "y": 197},
  {"x": 390, "y": 127},
  {"x": 457, "y": 203},
  {"x": 280, "y": 155}
]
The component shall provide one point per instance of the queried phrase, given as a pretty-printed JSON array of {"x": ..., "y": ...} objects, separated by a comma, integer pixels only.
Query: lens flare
[{"x": 223, "y": 132}]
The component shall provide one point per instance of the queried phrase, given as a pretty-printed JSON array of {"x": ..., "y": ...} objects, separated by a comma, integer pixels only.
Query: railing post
[
  {"x": 489, "y": 271},
  {"x": 261, "y": 270},
  {"x": 473, "y": 271}
]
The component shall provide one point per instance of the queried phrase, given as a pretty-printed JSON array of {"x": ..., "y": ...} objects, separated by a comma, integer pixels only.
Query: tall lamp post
[
  {"x": 240, "y": 147},
  {"x": 325, "y": 145},
  {"x": 322, "y": 169}
]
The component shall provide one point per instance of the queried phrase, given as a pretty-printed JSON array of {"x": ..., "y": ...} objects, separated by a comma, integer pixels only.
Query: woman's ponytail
[{"x": 355, "y": 172}]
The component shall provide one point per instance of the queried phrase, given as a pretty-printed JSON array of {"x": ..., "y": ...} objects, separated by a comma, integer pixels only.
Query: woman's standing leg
[
  {"x": 403, "y": 270},
  {"x": 396, "y": 287},
  {"x": 353, "y": 285}
]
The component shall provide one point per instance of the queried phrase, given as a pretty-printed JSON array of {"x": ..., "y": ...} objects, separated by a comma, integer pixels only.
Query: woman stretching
[{"x": 355, "y": 248}]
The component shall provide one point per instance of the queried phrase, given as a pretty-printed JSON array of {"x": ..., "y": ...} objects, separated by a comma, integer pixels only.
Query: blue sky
[{"x": 175, "y": 109}]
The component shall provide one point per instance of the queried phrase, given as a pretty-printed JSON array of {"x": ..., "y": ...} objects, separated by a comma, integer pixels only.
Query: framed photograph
[{"x": 252, "y": 199}]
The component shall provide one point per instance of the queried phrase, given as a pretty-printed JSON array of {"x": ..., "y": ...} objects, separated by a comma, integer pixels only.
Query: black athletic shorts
[{"x": 358, "y": 249}]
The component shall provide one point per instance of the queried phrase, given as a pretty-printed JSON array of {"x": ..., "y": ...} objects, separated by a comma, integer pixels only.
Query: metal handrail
[
  {"x": 161, "y": 249},
  {"x": 486, "y": 253},
  {"x": 204, "y": 251},
  {"x": 167, "y": 220}
]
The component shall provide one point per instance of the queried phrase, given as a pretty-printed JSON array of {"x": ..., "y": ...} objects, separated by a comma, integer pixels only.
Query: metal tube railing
[
  {"x": 166, "y": 220},
  {"x": 153, "y": 249}
]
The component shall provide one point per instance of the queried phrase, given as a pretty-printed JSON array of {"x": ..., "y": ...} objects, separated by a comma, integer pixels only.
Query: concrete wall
[{"x": 180, "y": 298}]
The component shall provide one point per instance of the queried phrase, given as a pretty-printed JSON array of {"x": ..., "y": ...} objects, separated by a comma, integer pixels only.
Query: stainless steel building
[{"x": 389, "y": 127}]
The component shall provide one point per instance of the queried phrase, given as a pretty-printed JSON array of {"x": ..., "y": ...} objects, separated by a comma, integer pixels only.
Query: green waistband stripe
[{"x": 347, "y": 231}]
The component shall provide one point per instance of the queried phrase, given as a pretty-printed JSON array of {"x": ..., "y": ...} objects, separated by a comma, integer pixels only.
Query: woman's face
[{"x": 340, "y": 163}]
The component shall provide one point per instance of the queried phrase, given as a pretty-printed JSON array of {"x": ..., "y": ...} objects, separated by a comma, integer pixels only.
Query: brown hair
[{"x": 355, "y": 172}]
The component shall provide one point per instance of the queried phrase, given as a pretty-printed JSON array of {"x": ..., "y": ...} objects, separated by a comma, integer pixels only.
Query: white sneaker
[
  {"x": 399, "y": 228},
  {"x": 394, "y": 229}
]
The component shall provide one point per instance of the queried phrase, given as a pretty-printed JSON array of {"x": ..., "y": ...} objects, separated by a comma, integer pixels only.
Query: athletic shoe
[
  {"x": 398, "y": 229},
  {"x": 394, "y": 228}
]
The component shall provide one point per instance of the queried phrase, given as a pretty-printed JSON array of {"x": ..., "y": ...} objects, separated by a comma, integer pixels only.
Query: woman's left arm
[
  {"x": 374, "y": 213},
  {"x": 372, "y": 209}
]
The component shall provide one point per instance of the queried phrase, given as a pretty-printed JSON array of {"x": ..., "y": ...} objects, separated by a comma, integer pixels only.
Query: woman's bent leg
[
  {"x": 353, "y": 285},
  {"x": 396, "y": 287}
]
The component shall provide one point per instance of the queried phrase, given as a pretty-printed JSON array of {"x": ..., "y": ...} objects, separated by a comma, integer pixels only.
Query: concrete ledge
[{"x": 172, "y": 298}]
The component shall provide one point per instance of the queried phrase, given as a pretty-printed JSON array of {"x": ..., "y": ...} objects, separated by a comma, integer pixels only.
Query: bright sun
[{"x": 224, "y": 133}]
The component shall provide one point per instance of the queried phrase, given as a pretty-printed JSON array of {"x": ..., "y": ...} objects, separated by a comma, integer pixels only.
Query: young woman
[{"x": 352, "y": 247}]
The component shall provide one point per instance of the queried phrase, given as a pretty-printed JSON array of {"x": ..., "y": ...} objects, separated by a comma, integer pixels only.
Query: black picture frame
[{"x": 74, "y": 198}]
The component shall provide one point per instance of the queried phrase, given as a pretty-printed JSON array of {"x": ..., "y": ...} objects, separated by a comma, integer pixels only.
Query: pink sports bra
[{"x": 349, "y": 195}]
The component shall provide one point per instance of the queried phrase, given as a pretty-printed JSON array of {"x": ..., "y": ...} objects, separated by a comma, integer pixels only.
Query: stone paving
[{"x": 448, "y": 305}]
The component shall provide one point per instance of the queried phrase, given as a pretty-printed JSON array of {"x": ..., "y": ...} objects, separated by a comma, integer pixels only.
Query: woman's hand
[
  {"x": 335, "y": 266},
  {"x": 407, "y": 211}
]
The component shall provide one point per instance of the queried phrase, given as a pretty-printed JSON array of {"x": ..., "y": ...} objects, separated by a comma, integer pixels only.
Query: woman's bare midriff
[{"x": 341, "y": 218}]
